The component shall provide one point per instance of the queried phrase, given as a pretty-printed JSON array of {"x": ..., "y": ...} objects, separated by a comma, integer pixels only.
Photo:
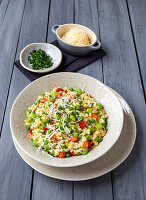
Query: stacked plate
[{"x": 116, "y": 145}]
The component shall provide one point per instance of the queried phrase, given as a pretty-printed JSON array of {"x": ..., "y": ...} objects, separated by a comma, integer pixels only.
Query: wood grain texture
[
  {"x": 121, "y": 72},
  {"x": 137, "y": 10},
  {"x": 86, "y": 14},
  {"x": 44, "y": 187},
  {"x": 9, "y": 34},
  {"x": 49, "y": 188},
  {"x": 16, "y": 176},
  {"x": 3, "y": 10}
]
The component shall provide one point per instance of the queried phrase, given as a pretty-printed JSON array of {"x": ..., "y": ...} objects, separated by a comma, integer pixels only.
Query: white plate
[
  {"x": 50, "y": 50},
  {"x": 90, "y": 85},
  {"x": 118, "y": 153}
]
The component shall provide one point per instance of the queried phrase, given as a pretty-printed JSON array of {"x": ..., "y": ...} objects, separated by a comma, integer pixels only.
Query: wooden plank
[
  {"x": 3, "y": 10},
  {"x": 138, "y": 18},
  {"x": 45, "y": 187},
  {"x": 121, "y": 73},
  {"x": 86, "y": 14},
  {"x": 54, "y": 189},
  {"x": 9, "y": 34},
  {"x": 16, "y": 176}
]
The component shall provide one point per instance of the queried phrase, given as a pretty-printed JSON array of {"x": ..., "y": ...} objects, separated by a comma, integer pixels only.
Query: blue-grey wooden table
[{"x": 121, "y": 27}]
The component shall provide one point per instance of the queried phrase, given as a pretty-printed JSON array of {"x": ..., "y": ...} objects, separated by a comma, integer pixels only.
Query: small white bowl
[
  {"x": 92, "y": 86},
  {"x": 50, "y": 50}
]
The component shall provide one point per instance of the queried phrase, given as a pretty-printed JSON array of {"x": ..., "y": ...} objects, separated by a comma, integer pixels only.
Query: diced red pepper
[
  {"x": 54, "y": 100},
  {"x": 52, "y": 122},
  {"x": 62, "y": 155},
  {"x": 89, "y": 95},
  {"x": 30, "y": 132},
  {"x": 71, "y": 153},
  {"x": 74, "y": 139},
  {"x": 82, "y": 124},
  {"x": 65, "y": 91},
  {"x": 45, "y": 128},
  {"x": 59, "y": 94},
  {"x": 44, "y": 99},
  {"x": 38, "y": 104},
  {"x": 84, "y": 109},
  {"x": 95, "y": 116},
  {"x": 59, "y": 90},
  {"x": 86, "y": 144},
  {"x": 54, "y": 137},
  {"x": 89, "y": 145}
]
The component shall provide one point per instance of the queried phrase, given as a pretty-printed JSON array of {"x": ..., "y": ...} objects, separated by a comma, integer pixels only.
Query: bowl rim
[
  {"x": 53, "y": 67},
  {"x": 76, "y": 45},
  {"x": 76, "y": 164}
]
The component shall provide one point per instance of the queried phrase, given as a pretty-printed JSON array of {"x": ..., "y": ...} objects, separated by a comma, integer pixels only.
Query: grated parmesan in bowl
[{"x": 77, "y": 37}]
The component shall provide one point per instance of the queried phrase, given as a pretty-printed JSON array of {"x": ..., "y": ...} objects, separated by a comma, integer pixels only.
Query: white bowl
[
  {"x": 50, "y": 50},
  {"x": 99, "y": 92}
]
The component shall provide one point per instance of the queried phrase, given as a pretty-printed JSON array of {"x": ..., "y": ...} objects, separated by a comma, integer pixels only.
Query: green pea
[
  {"x": 92, "y": 120},
  {"x": 70, "y": 108},
  {"x": 29, "y": 111},
  {"x": 77, "y": 107},
  {"x": 73, "y": 126},
  {"x": 33, "y": 115},
  {"x": 35, "y": 143},
  {"x": 76, "y": 116},
  {"x": 92, "y": 130},
  {"x": 85, "y": 152},
  {"x": 43, "y": 94},
  {"x": 98, "y": 112},
  {"x": 60, "y": 108},
  {"x": 38, "y": 101},
  {"x": 76, "y": 135},
  {"x": 49, "y": 131},
  {"x": 67, "y": 144},
  {"x": 28, "y": 127},
  {"x": 44, "y": 113},
  {"x": 79, "y": 91},
  {"x": 80, "y": 132},
  {"x": 89, "y": 110},
  {"x": 66, "y": 119},
  {"x": 49, "y": 101},
  {"x": 100, "y": 139},
  {"x": 58, "y": 116},
  {"x": 73, "y": 112},
  {"x": 63, "y": 147},
  {"x": 44, "y": 120},
  {"x": 88, "y": 138},
  {"x": 72, "y": 118},
  {"x": 46, "y": 147},
  {"x": 99, "y": 104},
  {"x": 99, "y": 108},
  {"x": 80, "y": 137},
  {"x": 71, "y": 89},
  {"x": 54, "y": 94},
  {"x": 67, "y": 155},
  {"x": 81, "y": 118},
  {"x": 80, "y": 101},
  {"x": 28, "y": 119},
  {"x": 98, "y": 126},
  {"x": 46, "y": 142}
]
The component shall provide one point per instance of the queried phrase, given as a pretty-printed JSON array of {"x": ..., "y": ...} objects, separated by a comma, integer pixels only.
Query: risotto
[{"x": 66, "y": 122}]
